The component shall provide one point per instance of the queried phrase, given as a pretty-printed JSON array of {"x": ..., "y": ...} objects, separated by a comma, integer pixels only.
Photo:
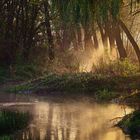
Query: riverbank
[
  {"x": 80, "y": 82},
  {"x": 103, "y": 88},
  {"x": 130, "y": 124},
  {"x": 79, "y": 118}
]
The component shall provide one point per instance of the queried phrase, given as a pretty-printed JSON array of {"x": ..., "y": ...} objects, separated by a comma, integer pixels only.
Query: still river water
[{"x": 70, "y": 119}]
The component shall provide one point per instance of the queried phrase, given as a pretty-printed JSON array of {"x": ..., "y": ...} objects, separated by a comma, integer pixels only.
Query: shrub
[
  {"x": 131, "y": 124},
  {"x": 26, "y": 71},
  {"x": 117, "y": 67},
  {"x": 104, "y": 95}
]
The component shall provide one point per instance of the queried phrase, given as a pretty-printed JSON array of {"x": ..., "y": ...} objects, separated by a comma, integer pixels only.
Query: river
[{"x": 69, "y": 119}]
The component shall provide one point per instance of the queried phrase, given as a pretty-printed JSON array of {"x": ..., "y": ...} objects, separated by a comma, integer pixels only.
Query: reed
[{"x": 11, "y": 121}]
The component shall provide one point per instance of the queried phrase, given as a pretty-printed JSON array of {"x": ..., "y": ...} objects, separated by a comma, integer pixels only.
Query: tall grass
[
  {"x": 12, "y": 121},
  {"x": 117, "y": 67}
]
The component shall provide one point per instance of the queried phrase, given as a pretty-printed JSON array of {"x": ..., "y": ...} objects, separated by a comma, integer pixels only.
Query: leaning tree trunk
[
  {"x": 131, "y": 39},
  {"x": 119, "y": 42},
  {"x": 49, "y": 31}
]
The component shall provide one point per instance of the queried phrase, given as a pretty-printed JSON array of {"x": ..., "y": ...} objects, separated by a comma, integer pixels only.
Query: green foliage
[
  {"x": 26, "y": 71},
  {"x": 84, "y": 11},
  {"x": 3, "y": 74},
  {"x": 80, "y": 82},
  {"x": 115, "y": 7},
  {"x": 12, "y": 121},
  {"x": 131, "y": 124},
  {"x": 105, "y": 95},
  {"x": 104, "y": 6},
  {"x": 117, "y": 67},
  {"x": 19, "y": 72},
  {"x": 5, "y": 138}
]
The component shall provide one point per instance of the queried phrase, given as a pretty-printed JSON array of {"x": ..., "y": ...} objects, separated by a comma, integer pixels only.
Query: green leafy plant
[
  {"x": 131, "y": 124},
  {"x": 104, "y": 95},
  {"x": 11, "y": 121}
]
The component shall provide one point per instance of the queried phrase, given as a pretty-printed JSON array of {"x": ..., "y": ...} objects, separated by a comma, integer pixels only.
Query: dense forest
[
  {"x": 41, "y": 31},
  {"x": 75, "y": 47}
]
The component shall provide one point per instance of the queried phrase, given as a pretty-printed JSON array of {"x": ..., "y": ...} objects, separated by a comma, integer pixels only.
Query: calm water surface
[{"x": 66, "y": 120}]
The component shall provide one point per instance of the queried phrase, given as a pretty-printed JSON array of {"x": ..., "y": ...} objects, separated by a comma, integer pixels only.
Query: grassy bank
[
  {"x": 130, "y": 124},
  {"x": 113, "y": 81},
  {"x": 80, "y": 82}
]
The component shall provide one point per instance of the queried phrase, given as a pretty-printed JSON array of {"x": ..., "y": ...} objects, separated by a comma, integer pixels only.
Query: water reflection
[{"x": 76, "y": 121}]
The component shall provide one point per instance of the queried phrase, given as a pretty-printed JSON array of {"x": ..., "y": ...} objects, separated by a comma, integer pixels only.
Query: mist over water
[
  {"x": 79, "y": 121},
  {"x": 71, "y": 121}
]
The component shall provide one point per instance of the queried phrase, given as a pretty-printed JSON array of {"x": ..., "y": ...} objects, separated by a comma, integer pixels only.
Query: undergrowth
[
  {"x": 80, "y": 82},
  {"x": 131, "y": 124},
  {"x": 117, "y": 67},
  {"x": 12, "y": 121}
]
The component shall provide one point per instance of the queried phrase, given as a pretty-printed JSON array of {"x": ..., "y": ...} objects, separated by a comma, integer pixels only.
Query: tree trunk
[
  {"x": 103, "y": 34},
  {"x": 109, "y": 31},
  {"x": 49, "y": 31},
  {"x": 96, "y": 45},
  {"x": 131, "y": 39},
  {"x": 119, "y": 42},
  {"x": 88, "y": 40}
]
